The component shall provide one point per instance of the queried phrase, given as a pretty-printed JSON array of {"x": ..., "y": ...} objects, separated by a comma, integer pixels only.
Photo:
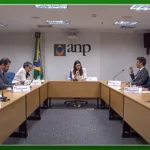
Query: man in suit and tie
[
  {"x": 142, "y": 75},
  {"x": 4, "y": 67}
]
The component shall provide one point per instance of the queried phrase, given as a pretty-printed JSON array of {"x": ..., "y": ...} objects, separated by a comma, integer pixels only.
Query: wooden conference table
[
  {"x": 131, "y": 107},
  {"x": 14, "y": 113}
]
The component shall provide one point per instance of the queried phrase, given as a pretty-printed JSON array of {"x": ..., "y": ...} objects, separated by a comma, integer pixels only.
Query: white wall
[
  {"x": 110, "y": 53},
  {"x": 119, "y": 51},
  {"x": 19, "y": 47},
  {"x": 59, "y": 66}
]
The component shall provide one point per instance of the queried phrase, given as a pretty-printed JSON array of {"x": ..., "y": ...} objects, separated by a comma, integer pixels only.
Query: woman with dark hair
[{"x": 78, "y": 73}]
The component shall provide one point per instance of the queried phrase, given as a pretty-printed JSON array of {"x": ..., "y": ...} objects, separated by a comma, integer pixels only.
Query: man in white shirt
[
  {"x": 23, "y": 76},
  {"x": 142, "y": 75}
]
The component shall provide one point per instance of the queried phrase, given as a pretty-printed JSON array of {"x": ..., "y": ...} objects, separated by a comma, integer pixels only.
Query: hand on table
[
  {"x": 124, "y": 83},
  {"x": 18, "y": 83},
  {"x": 139, "y": 86},
  {"x": 75, "y": 79},
  {"x": 83, "y": 80},
  {"x": 144, "y": 89}
]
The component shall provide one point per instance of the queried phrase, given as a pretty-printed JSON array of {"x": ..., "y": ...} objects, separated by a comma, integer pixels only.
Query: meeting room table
[{"x": 132, "y": 109}]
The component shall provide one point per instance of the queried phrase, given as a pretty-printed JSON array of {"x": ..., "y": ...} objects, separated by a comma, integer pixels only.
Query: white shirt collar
[
  {"x": 141, "y": 68},
  {"x": 2, "y": 71}
]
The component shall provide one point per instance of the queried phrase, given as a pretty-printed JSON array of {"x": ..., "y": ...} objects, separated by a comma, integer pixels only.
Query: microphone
[
  {"x": 3, "y": 98},
  {"x": 118, "y": 74},
  {"x": 77, "y": 73},
  {"x": 2, "y": 93}
]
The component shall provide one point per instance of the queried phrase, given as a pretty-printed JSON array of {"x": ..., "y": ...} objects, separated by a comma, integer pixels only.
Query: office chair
[
  {"x": 76, "y": 100},
  {"x": 10, "y": 76}
]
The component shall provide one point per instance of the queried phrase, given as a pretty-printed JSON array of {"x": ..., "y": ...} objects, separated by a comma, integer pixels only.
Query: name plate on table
[
  {"x": 36, "y": 82},
  {"x": 24, "y": 88},
  {"x": 91, "y": 79},
  {"x": 132, "y": 90},
  {"x": 114, "y": 83}
]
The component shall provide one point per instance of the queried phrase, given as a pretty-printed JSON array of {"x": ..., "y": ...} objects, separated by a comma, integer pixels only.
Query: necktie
[
  {"x": 3, "y": 75},
  {"x": 137, "y": 74}
]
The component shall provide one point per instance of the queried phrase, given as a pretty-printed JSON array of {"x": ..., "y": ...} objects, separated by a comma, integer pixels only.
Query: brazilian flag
[{"x": 38, "y": 70}]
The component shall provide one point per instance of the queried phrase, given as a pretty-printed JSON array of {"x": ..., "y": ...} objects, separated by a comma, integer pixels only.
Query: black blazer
[
  {"x": 4, "y": 84},
  {"x": 147, "y": 85},
  {"x": 140, "y": 78}
]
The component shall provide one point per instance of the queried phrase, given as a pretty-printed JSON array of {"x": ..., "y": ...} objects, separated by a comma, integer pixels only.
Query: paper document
[
  {"x": 148, "y": 92},
  {"x": 114, "y": 83},
  {"x": 132, "y": 90},
  {"x": 36, "y": 82},
  {"x": 116, "y": 87}
]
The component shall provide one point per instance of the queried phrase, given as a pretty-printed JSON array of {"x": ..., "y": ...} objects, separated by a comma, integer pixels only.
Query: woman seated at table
[
  {"x": 23, "y": 76},
  {"x": 78, "y": 73}
]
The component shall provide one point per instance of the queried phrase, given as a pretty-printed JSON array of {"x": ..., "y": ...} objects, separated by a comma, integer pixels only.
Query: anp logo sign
[
  {"x": 62, "y": 49},
  {"x": 59, "y": 49}
]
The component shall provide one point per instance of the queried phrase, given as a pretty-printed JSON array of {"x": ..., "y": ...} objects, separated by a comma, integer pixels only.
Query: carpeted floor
[{"x": 63, "y": 125}]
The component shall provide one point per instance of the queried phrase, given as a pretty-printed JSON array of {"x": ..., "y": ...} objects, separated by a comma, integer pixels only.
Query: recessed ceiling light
[
  {"x": 35, "y": 17},
  {"x": 58, "y": 21},
  {"x": 3, "y": 25},
  {"x": 94, "y": 15},
  {"x": 140, "y": 7},
  {"x": 44, "y": 26},
  {"x": 127, "y": 27},
  {"x": 126, "y": 23},
  {"x": 127, "y": 17},
  {"x": 52, "y": 6}
]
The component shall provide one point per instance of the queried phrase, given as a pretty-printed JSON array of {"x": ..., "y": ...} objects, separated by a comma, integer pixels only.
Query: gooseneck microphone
[
  {"x": 3, "y": 98},
  {"x": 2, "y": 93},
  {"x": 118, "y": 74}
]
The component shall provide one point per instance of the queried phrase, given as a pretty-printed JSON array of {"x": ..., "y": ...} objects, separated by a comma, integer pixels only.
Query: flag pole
[{"x": 38, "y": 70}]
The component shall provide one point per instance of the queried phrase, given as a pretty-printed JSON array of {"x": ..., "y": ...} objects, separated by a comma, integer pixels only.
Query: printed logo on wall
[{"x": 61, "y": 49}]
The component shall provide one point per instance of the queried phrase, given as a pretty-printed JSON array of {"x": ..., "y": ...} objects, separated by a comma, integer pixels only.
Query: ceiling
[{"x": 18, "y": 18}]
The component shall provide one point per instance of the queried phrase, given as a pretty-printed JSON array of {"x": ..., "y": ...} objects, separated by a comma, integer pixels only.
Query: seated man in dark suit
[
  {"x": 4, "y": 66},
  {"x": 142, "y": 75},
  {"x": 146, "y": 87}
]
